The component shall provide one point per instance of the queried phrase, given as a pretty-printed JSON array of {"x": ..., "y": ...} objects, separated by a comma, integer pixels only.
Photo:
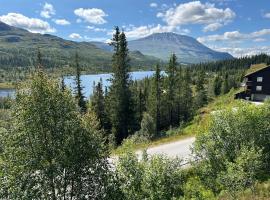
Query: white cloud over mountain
[
  {"x": 134, "y": 32},
  {"x": 75, "y": 36},
  {"x": 195, "y": 12},
  {"x": 91, "y": 15},
  {"x": 234, "y": 36},
  {"x": 33, "y": 25},
  {"x": 62, "y": 22},
  {"x": 267, "y": 15},
  {"x": 240, "y": 52},
  {"x": 47, "y": 11},
  {"x": 153, "y": 5},
  {"x": 212, "y": 27}
]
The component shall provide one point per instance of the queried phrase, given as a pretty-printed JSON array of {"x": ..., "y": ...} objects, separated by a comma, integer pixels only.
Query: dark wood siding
[{"x": 265, "y": 73}]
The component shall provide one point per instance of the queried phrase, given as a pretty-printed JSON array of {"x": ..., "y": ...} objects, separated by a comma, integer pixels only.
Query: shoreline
[{"x": 7, "y": 86}]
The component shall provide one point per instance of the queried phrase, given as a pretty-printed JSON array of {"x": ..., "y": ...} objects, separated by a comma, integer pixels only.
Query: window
[
  {"x": 258, "y": 88},
  {"x": 259, "y": 79}
]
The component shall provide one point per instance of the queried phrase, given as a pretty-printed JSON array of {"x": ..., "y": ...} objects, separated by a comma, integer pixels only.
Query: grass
[{"x": 261, "y": 192}]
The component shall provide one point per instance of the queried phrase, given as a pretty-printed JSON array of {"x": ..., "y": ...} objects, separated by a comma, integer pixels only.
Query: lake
[
  {"x": 6, "y": 92},
  {"x": 88, "y": 82}
]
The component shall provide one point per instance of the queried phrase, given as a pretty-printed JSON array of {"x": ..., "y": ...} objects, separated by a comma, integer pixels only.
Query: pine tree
[
  {"x": 154, "y": 99},
  {"x": 63, "y": 86},
  {"x": 78, "y": 86},
  {"x": 201, "y": 95},
  {"x": 225, "y": 85},
  {"x": 178, "y": 94},
  {"x": 171, "y": 72},
  {"x": 121, "y": 104},
  {"x": 39, "y": 59},
  {"x": 97, "y": 105},
  {"x": 186, "y": 96}
]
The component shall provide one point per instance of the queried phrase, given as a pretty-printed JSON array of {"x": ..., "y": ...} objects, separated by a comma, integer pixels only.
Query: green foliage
[
  {"x": 234, "y": 148},
  {"x": 121, "y": 102},
  {"x": 18, "y": 53},
  {"x": 242, "y": 173},
  {"x": 194, "y": 189},
  {"x": 148, "y": 127},
  {"x": 51, "y": 152},
  {"x": 155, "y": 178},
  {"x": 97, "y": 105}
]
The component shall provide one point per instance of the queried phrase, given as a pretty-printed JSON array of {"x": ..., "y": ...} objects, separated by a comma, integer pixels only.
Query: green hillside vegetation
[{"x": 18, "y": 50}]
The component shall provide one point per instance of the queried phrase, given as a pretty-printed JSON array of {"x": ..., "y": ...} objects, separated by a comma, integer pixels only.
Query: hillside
[{"x": 18, "y": 48}]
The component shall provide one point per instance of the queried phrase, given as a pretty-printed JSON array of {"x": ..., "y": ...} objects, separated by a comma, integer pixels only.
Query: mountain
[
  {"x": 18, "y": 48},
  {"x": 161, "y": 45},
  {"x": 187, "y": 49}
]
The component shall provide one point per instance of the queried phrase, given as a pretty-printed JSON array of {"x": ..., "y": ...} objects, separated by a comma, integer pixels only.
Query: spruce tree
[
  {"x": 78, "y": 86},
  {"x": 121, "y": 104},
  {"x": 201, "y": 94},
  {"x": 186, "y": 96},
  {"x": 97, "y": 105},
  {"x": 171, "y": 72},
  {"x": 39, "y": 59},
  {"x": 154, "y": 99},
  {"x": 63, "y": 86},
  {"x": 225, "y": 85}
]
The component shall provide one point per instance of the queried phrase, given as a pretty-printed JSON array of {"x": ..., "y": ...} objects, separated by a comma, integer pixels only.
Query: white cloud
[
  {"x": 240, "y": 52},
  {"x": 259, "y": 40},
  {"x": 91, "y": 15},
  {"x": 31, "y": 24},
  {"x": 93, "y": 28},
  {"x": 196, "y": 12},
  {"x": 75, "y": 36},
  {"x": 62, "y": 22},
  {"x": 267, "y": 15},
  {"x": 212, "y": 27},
  {"x": 133, "y": 32},
  {"x": 234, "y": 36},
  {"x": 47, "y": 11},
  {"x": 153, "y": 5}
]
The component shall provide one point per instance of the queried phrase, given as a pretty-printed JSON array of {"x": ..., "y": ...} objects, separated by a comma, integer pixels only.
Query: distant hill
[
  {"x": 187, "y": 49},
  {"x": 18, "y": 48}
]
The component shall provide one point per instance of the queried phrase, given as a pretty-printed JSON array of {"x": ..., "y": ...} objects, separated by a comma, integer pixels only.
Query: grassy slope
[{"x": 199, "y": 124}]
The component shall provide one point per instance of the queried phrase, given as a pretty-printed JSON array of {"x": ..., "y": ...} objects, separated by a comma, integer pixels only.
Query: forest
[{"x": 55, "y": 143}]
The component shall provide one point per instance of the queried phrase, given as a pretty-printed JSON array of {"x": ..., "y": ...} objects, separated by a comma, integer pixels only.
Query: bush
[
  {"x": 232, "y": 151},
  {"x": 151, "y": 178},
  {"x": 195, "y": 190},
  {"x": 148, "y": 127}
]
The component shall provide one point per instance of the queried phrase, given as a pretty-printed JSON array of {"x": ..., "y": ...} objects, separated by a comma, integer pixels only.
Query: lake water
[
  {"x": 6, "y": 92},
  {"x": 88, "y": 82}
]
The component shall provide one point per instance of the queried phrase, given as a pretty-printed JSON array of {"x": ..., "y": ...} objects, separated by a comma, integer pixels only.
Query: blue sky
[{"x": 240, "y": 27}]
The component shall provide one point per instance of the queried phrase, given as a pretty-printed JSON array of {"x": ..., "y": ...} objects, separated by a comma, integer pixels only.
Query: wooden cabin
[{"x": 256, "y": 85}]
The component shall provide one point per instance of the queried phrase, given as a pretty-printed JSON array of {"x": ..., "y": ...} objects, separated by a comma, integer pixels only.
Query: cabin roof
[{"x": 255, "y": 68}]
